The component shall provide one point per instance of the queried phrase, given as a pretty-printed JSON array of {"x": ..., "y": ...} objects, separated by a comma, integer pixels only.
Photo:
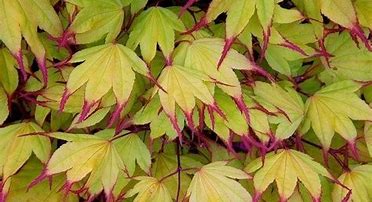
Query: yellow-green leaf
[
  {"x": 364, "y": 9},
  {"x": 9, "y": 75},
  {"x": 104, "y": 68},
  {"x": 204, "y": 54},
  {"x": 17, "y": 145},
  {"x": 287, "y": 104},
  {"x": 359, "y": 181},
  {"x": 286, "y": 167},
  {"x": 98, "y": 155},
  {"x": 329, "y": 111},
  {"x": 213, "y": 183},
  {"x": 97, "y": 19},
  {"x": 174, "y": 79},
  {"x": 44, "y": 191},
  {"x": 4, "y": 108},
  {"x": 18, "y": 20},
  {"x": 149, "y": 189},
  {"x": 155, "y": 26}
]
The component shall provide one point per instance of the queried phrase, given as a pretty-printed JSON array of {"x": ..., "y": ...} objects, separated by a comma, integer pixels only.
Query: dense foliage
[{"x": 200, "y": 101}]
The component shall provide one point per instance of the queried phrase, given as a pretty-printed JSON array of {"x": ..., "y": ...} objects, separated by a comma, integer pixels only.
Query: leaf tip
[{"x": 228, "y": 43}]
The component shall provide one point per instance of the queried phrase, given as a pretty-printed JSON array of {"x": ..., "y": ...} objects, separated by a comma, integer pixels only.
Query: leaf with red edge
[
  {"x": 104, "y": 68},
  {"x": 174, "y": 79},
  {"x": 343, "y": 13},
  {"x": 18, "y": 20},
  {"x": 155, "y": 26},
  {"x": 329, "y": 112},
  {"x": 358, "y": 181},
  {"x": 17, "y": 143},
  {"x": 286, "y": 167},
  {"x": 101, "y": 155}
]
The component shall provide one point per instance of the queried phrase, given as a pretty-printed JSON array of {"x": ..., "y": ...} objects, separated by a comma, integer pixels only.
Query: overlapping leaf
[
  {"x": 288, "y": 106},
  {"x": 44, "y": 191},
  {"x": 203, "y": 55},
  {"x": 4, "y": 108},
  {"x": 149, "y": 189},
  {"x": 286, "y": 167},
  {"x": 212, "y": 183},
  {"x": 343, "y": 13},
  {"x": 9, "y": 75},
  {"x": 104, "y": 68},
  {"x": 331, "y": 110},
  {"x": 348, "y": 61},
  {"x": 18, "y": 20},
  {"x": 101, "y": 155},
  {"x": 17, "y": 145},
  {"x": 155, "y": 26},
  {"x": 358, "y": 180},
  {"x": 174, "y": 79},
  {"x": 97, "y": 19}
]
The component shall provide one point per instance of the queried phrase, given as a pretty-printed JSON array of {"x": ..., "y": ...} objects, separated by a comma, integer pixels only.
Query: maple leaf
[
  {"x": 173, "y": 79},
  {"x": 203, "y": 55},
  {"x": 348, "y": 61},
  {"x": 155, "y": 26},
  {"x": 211, "y": 183},
  {"x": 287, "y": 104},
  {"x": 166, "y": 163},
  {"x": 100, "y": 154},
  {"x": 343, "y": 13},
  {"x": 285, "y": 167},
  {"x": 358, "y": 180},
  {"x": 17, "y": 149},
  {"x": 104, "y": 67},
  {"x": 239, "y": 13},
  {"x": 158, "y": 119},
  {"x": 329, "y": 112},
  {"x": 18, "y": 20},
  {"x": 44, "y": 191},
  {"x": 234, "y": 120},
  {"x": 95, "y": 20},
  {"x": 149, "y": 188}
]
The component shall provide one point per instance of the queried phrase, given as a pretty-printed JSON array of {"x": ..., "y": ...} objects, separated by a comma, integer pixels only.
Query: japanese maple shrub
[{"x": 186, "y": 100}]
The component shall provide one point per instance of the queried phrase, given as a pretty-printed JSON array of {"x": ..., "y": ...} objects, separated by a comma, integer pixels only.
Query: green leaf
[
  {"x": 329, "y": 111},
  {"x": 212, "y": 183},
  {"x": 18, "y": 20},
  {"x": 154, "y": 26},
  {"x": 340, "y": 11},
  {"x": 349, "y": 61},
  {"x": 9, "y": 75},
  {"x": 363, "y": 9},
  {"x": 96, "y": 20},
  {"x": 204, "y": 54},
  {"x": 358, "y": 180},
  {"x": 149, "y": 188},
  {"x": 133, "y": 150},
  {"x": 104, "y": 68},
  {"x": 17, "y": 145},
  {"x": 234, "y": 119},
  {"x": 288, "y": 106},
  {"x": 166, "y": 164},
  {"x": 99, "y": 155},
  {"x": 238, "y": 16},
  {"x": 4, "y": 108},
  {"x": 44, "y": 191},
  {"x": 285, "y": 167},
  {"x": 173, "y": 79}
]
